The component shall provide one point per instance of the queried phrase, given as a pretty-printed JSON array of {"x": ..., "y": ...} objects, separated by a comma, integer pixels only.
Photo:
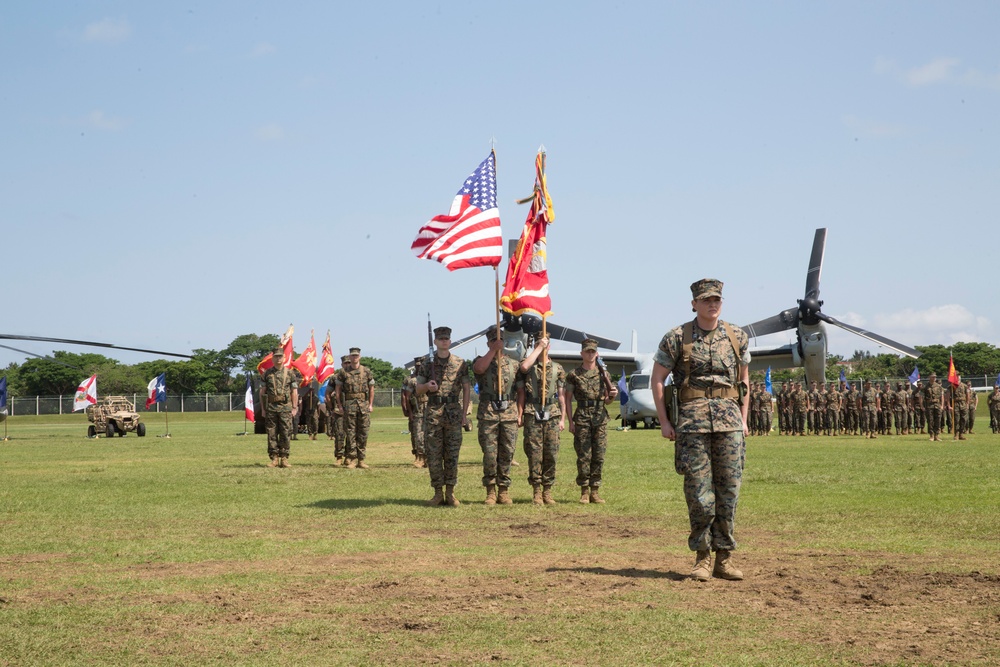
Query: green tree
[
  {"x": 246, "y": 351},
  {"x": 62, "y": 373},
  {"x": 386, "y": 375}
]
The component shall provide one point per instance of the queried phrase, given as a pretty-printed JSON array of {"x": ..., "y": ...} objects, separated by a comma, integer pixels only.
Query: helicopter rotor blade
[
  {"x": 783, "y": 321},
  {"x": 875, "y": 338},
  {"x": 816, "y": 264},
  {"x": 110, "y": 346},
  {"x": 559, "y": 332}
]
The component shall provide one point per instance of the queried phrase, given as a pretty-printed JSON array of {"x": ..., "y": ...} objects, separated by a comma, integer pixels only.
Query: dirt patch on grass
[{"x": 860, "y": 608}]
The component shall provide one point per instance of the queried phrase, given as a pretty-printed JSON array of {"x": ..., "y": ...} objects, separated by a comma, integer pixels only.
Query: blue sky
[{"x": 235, "y": 167}]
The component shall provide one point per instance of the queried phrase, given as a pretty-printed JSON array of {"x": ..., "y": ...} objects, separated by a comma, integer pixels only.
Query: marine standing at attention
[
  {"x": 281, "y": 400},
  {"x": 540, "y": 401},
  {"x": 591, "y": 387},
  {"x": 498, "y": 416},
  {"x": 356, "y": 398},
  {"x": 710, "y": 361},
  {"x": 414, "y": 408},
  {"x": 445, "y": 381}
]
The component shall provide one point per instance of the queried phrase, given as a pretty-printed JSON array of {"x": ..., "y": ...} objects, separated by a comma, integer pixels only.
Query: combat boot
[
  {"x": 724, "y": 568},
  {"x": 438, "y": 498},
  {"x": 595, "y": 497},
  {"x": 416, "y": 461},
  {"x": 449, "y": 496},
  {"x": 350, "y": 464},
  {"x": 504, "y": 497},
  {"x": 283, "y": 462},
  {"x": 491, "y": 494},
  {"x": 536, "y": 496},
  {"x": 362, "y": 465},
  {"x": 547, "y": 496},
  {"x": 702, "y": 566},
  {"x": 584, "y": 495},
  {"x": 273, "y": 463}
]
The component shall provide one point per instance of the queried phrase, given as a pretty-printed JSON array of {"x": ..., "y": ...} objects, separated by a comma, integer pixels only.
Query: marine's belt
[
  {"x": 355, "y": 394},
  {"x": 441, "y": 400},
  {"x": 539, "y": 404},
  {"x": 586, "y": 403},
  {"x": 690, "y": 393}
]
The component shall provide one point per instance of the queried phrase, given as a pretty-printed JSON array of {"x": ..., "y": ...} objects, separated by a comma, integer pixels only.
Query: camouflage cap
[
  {"x": 491, "y": 333},
  {"x": 355, "y": 350},
  {"x": 345, "y": 358},
  {"x": 442, "y": 332},
  {"x": 588, "y": 344},
  {"x": 705, "y": 288},
  {"x": 279, "y": 352}
]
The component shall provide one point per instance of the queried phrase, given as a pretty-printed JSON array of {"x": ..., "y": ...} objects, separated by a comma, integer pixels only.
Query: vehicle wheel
[
  {"x": 140, "y": 430},
  {"x": 91, "y": 431},
  {"x": 121, "y": 432},
  {"x": 110, "y": 431}
]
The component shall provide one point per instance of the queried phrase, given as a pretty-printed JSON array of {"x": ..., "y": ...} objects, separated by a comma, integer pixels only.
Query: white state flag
[
  {"x": 86, "y": 394},
  {"x": 249, "y": 402}
]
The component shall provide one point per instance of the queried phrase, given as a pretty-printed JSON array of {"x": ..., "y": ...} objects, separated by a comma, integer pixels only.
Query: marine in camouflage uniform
[
  {"x": 337, "y": 417},
  {"x": 446, "y": 382},
  {"x": 543, "y": 420},
  {"x": 309, "y": 408},
  {"x": 994, "y": 404},
  {"x": 755, "y": 391},
  {"x": 800, "y": 408},
  {"x": 281, "y": 398},
  {"x": 853, "y": 411},
  {"x": 972, "y": 402},
  {"x": 919, "y": 410},
  {"x": 934, "y": 407},
  {"x": 414, "y": 407},
  {"x": 870, "y": 402},
  {"x": 817, "y": 405},
  {"x": 767, "y": 410},
  {"x": 811, "y": 414},
  {"x": 960, "y": 401},
  {"x": 834, "y": 401},
  {"x": 899, "y": 408},
  {"x": 709, "y": 359},
  {"x": 592, "y": 389},
  {"x": 356, "y": 398},
  {"x": 498, "y": 416}
]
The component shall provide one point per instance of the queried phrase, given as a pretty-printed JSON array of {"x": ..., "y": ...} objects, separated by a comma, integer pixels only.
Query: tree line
[{"x": 208, "y": 372}]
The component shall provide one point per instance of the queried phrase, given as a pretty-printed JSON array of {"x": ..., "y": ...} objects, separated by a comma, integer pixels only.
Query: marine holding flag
[{"x": 281, "y": 400}]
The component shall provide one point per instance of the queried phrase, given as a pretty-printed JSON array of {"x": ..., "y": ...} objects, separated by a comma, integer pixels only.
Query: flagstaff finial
[{"x": 493, "y": 143}]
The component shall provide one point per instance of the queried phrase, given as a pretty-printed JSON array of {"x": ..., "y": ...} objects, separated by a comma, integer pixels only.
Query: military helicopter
[{"x": 810, "y": 348}]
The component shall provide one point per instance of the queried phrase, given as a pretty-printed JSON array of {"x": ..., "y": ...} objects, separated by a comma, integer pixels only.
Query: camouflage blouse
[
  {"x": 354, "y": 383},
  {"x": 713, "y": 363},
  {"x": 556, "y": 380},
  {"x": 488, "y": 390},
  {"x": 451, "y": 375}
]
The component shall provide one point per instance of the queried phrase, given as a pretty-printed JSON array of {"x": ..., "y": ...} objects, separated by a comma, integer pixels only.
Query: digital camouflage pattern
[
  {"x": 279, "y": 383},
  {"x": 443, "y": 422},
  {"x": 541, "y": 438},
  {"x": 590, "y": 425},
  {"x": 709, "y": 450},
  {"x": 497, "y": 424},
  {"x": 355, "y": 390}
]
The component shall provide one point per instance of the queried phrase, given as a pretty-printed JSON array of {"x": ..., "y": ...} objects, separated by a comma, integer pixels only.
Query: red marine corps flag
[
  {"x": 286, "y": 344},
  {"x": 306, "y": 363},
  {"x": 952, "y": 373},
  {"x": 469, "y": 235},
  {"x": 527, "y": 287},
  {"x": 327, "y": 364}
]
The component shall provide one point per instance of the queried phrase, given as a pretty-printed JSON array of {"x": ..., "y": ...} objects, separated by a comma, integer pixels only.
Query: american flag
[{"x": 469, "y": 235}]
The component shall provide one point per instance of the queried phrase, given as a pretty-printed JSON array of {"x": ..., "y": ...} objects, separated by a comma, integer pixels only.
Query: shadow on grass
[
  {"x": 630, "y": 572},
  {"x": 361, "y": 503}
]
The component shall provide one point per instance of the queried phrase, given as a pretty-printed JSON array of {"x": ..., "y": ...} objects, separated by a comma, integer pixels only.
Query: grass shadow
[
  {"x": 630, "y": 572},
  {"x": 362, "y": 503}
]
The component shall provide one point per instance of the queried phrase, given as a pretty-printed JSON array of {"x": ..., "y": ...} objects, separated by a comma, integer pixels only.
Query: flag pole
[
  {"x": 499, "y": 359},
  {"x": 545, "y": 360},
  {"x": 166, "y": 415}
]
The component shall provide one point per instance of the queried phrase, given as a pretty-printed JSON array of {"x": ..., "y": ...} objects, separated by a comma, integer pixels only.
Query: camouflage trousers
[
  {"x": 541, "y": 446},
  {"x": 869, "y": 420},
  {"x": 995, "y": 419},
  {"x": 899, "y": 417},
  {"x": 832, "y": 420},
  {"x": 765, "y": 421},
  {"x": 442, "y": 443},
  {"x": 335, "y": 429},
  {"x": 798, "y": 421},
  {"x": 590, "y": 440},
  {"x": 416, "y": 426},
  {"x": 960, "y": 425},
  {"x": 712, "y": 465},
  {"x": 498, "y": 440},
  {"x": 357, "y": 420},
  {"x": 279, "y": 432},
  {"x": 970, "y": 419},
  {"x": 934, "y": 421},
  {"x": 852, "y": 422},
  {"x": 311, "y": 419}
]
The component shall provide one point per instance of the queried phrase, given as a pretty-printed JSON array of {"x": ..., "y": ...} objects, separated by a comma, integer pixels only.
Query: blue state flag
[
  {"x": 843, "y": 378},
  {"x": 995, "y": 384},
  {"x": 915, "y": 376},
  {"x": 623, "y": 388},
  {"x": 3, "y": 395},
  {"x": 322, "y": 392},
  {"x": 156, "y": 390},
  {"x": 767, "y": 381}
]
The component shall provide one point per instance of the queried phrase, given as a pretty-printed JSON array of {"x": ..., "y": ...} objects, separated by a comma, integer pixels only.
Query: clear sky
[{"x": 173, "y": 176}]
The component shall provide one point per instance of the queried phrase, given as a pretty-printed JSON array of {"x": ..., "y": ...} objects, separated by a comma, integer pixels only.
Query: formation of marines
[{"x": 871, "y": 410}]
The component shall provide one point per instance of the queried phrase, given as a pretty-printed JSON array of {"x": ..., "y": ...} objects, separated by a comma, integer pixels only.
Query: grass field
[{"x": 190, "y": 551}]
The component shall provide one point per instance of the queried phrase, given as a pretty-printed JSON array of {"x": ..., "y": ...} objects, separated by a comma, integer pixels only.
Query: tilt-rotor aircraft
[{"x": 809, "y": 350}]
